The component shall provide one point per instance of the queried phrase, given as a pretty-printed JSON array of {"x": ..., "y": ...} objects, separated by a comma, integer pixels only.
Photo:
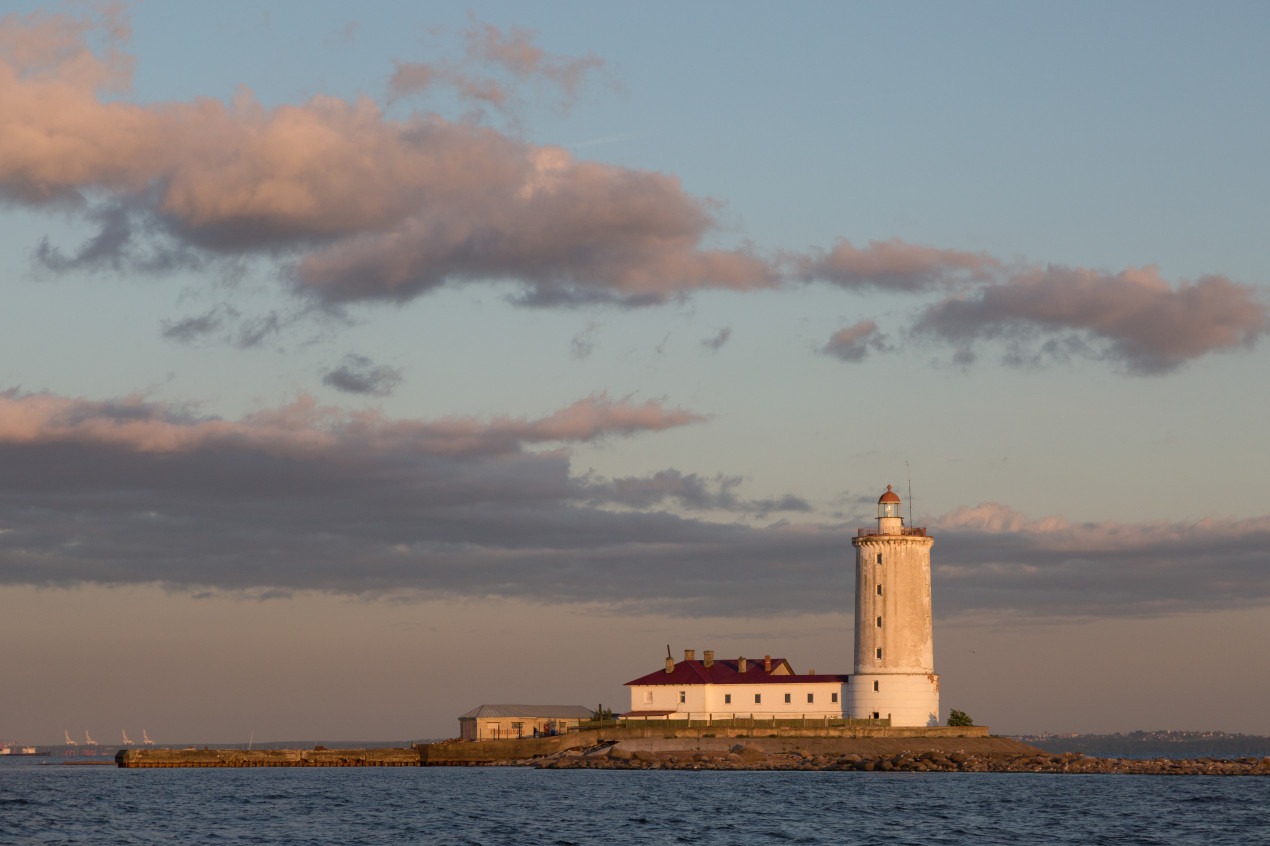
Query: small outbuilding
[{"x": 502, "y": 722}]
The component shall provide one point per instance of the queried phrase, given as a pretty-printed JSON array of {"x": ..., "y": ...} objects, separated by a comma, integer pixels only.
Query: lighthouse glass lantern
[{"x": 889, "y": 518}]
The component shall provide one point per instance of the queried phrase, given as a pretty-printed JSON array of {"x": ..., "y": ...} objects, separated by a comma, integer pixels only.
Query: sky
[{"x": 361, "y": 365}]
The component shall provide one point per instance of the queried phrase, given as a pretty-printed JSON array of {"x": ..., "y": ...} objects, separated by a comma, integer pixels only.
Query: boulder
[{"x": 749, "y": 754}]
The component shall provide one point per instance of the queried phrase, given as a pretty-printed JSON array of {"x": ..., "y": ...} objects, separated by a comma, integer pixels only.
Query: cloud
[
  {"x": 852, "y": 343},
  {"x": 222, "y": 322},
  {"x": 199, "y": 327},
  {"x": 304, "y": 497},
  {"x": 513, "y": 54},
  {"x": 357, "y": 374},
  {"x": 583, "y": 343},
  {"x": 1140, "y": 319},
  {"x": 1045, "y": 314},
  {"x": 895, "y": 265},
  {"x": 517, "y": 53},
  {"x": 346, "y": 34},
  {"x": 137, "y": 426},
  {"x": 689, "y": 491},
  {"x": 418, "y": 77},
  {"x": 352, "y": 204},
  {"x": 720, "y": 338},
  {"x": 995, "y": 561}
]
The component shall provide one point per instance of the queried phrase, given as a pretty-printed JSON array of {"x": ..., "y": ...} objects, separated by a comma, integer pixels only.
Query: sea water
[{"x": 54, "y": 804}]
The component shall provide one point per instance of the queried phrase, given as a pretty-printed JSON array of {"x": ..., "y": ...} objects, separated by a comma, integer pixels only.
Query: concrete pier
[
  {"x": 148, "y": 758},
  {"x": 841, "y": 740}
]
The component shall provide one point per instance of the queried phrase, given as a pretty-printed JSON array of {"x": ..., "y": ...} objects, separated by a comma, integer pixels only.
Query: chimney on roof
[
  {"x": 741, "y": 666},
  {"x": 670, "y": 665},
  {"x": 709, "y": 657},
  {"x": 811, "y": 672},
  {"x": 767, "y": 663},
  {"x": 690, "y": 654}
]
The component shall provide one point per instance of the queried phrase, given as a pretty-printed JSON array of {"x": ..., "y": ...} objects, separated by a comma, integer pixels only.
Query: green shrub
[{"x": 959, "y": 718}]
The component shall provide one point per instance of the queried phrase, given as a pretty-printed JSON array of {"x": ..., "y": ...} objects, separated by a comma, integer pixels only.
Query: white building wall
[
  {"x": 893, "y": 605},
  {"x": 894, "y": 641},
  {"x": 906, "y": 699},
  {"x": 708, "y": 701}
]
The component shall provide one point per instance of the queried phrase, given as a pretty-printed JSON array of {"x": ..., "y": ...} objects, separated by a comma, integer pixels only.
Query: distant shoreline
[{"x": 1155, "y": 744}]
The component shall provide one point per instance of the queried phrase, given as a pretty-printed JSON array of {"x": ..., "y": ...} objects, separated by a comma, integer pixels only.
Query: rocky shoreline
[{"x": 742, "y": 757}]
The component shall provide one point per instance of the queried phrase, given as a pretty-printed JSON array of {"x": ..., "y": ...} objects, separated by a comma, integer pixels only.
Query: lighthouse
[{"x": 894, "y": 648}]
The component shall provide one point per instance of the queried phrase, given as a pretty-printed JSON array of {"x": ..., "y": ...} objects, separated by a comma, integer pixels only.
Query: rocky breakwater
[{"x": 743, "y": 757}]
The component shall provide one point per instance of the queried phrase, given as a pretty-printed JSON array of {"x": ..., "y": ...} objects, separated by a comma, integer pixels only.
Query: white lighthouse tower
[{"x": 894, "y": 648}]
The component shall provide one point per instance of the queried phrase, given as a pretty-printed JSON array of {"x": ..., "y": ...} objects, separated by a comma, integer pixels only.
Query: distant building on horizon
[{"x": 894, "y": 676}]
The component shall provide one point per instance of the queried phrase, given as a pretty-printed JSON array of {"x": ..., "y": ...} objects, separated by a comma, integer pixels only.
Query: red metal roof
[
  {"x": 724, "y": 671},
  {"x": 888, "y": 496}
]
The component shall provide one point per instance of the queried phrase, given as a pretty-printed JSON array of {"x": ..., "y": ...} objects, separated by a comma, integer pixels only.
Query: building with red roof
[
  {"x": 734, "y": 688},
  {"x": 894, "y": 676}
]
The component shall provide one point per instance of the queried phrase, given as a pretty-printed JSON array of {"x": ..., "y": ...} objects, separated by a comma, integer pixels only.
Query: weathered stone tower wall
[{"x": 894, "y": 644}]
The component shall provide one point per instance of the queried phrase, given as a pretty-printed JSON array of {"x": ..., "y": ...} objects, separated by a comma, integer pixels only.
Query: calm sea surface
[{"x": 66, "y": 804}]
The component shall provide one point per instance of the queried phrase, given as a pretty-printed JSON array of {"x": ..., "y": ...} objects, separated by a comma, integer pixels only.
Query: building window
[
  {"x": 875, "y": 715},
  {"x": 787, "y": 700},
  {"x": 879, "y": 652},
  {"x": 879, "y": 589},
  {"x": 879, "y": 622},
  {"x": 727, "y": 699},
  {"x": 811, "y": 697},
  {"x": 758, "y": 699},
  {"x": 879, "y": 558},
  {"x": 648, "y": 697},
  {"x": 833, "y": 697},
  {"x": 875, "y": 685},
  {"x": 683, "y": 696}
]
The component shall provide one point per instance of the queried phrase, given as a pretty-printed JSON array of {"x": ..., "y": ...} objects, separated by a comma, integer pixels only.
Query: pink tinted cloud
[
  {"x": 304, "y": 428},
  {"x": 852, "y": 343},
  {"x": 519, "y": 55},
  {"x": 556, "y": 222},
  {"x": 998, "y": 562},
  {"x": 43, "y": 44},
  {"x": 895, "y": 265},
  {"x": 514, "y": 53},
  {"x": 1148, "y": 324},
  {"x": 995, "y": 517},
  {"x": 358, "y": 206},
  {"x": 1106, "y": 537},
  {"x": 418, "y": 77}
]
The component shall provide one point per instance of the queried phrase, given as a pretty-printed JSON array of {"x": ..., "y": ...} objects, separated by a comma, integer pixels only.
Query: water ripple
[{"x": 49, "y": 805}]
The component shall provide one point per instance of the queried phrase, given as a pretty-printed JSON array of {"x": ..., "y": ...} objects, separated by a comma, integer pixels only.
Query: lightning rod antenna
[{"x": 912, "y": 519}]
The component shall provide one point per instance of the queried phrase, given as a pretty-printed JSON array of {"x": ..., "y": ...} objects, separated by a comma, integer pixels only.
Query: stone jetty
[
  {"x": 587, "y": 750},
  {"x": 914, "y": 759},
  {"x": 317, "y": 757}
]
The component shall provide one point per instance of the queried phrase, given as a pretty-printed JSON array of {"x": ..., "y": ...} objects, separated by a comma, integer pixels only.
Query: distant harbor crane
[
  {"x": 146, "y": 738},
  {"x": 88, "y": 740},
  {"x": 126, "y": 741},
  {"x": 69, "y": 742}
]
